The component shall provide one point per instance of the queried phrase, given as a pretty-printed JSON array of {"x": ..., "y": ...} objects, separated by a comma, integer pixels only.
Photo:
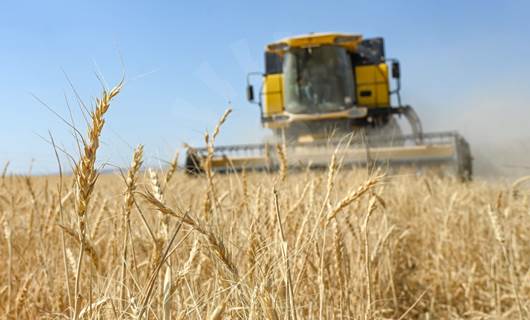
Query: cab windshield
[{"x": 317, "y": 80}]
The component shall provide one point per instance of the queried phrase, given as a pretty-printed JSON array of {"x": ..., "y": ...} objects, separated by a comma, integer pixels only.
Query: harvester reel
[{"x": 414, "y": 121}]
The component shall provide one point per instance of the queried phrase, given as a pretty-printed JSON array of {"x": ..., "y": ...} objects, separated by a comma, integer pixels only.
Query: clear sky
[{"x": 464, "y": 66}]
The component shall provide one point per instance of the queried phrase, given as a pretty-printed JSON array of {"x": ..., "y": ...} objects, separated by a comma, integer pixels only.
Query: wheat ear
[
  {"x": 353, "y": 195},
  {"x": 281, "y": 150}
]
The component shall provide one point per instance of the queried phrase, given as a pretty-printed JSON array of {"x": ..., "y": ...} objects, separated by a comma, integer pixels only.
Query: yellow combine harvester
[{"x": 330, "y": 92}]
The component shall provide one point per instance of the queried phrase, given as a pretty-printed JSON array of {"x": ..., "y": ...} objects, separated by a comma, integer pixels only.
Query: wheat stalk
[
  {"x": 22, "y": 296},
  {"x": 501, "y": 238},
  {"x": 4, "y": 173},
  {"x": 131, "y": 180},
  {"x": 213, "y": 240},
  {"x": 93, "y": 307},
  {"x": 85, "y": 176},
  {"x": 281, "y": 150},
  {"x": 371, "y": 209},
  {"x": 71, "y": 259},
  {"x": 353, "y": 195},
  {"x": 7, "y": 236},
  {"x": 283, "y": 245},
  {"x": 88, "y": 247},
  {"x": 130, "y": 189},
  {"x": 172, "y": 169},
  {"x": 166, "y": 291}
]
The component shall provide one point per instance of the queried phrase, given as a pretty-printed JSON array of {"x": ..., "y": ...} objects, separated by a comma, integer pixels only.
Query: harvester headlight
[{"x": 358, "y": 112}]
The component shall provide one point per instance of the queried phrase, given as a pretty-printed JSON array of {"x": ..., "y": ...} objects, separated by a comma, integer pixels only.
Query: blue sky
[{"x": 464, "y": 66}]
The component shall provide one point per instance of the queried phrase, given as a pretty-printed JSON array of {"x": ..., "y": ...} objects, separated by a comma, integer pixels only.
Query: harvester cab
[{"x": 318, "y": 89}]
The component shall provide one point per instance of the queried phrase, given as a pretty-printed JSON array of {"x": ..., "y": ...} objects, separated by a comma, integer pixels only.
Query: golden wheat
[{"x": 341, "y": 244}]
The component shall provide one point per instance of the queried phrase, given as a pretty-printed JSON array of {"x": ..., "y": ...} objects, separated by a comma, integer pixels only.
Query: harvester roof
[{"x": 349, "y": 41}]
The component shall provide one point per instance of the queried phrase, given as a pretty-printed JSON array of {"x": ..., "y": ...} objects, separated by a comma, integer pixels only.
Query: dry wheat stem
[
  {"x": 148, "y": 291},
  {"x": 172, "y": 169},
  {"x": 371, "y": 209},
  {"x": 352, "y": 196},
  {"x": 4, "y": 171},
  {"x": 282, "y": 157},
  {"x": 167, "y": 290},
  {"x": 218, "y": 247},
  {"x": 7, "y": 236},
  {"x": 501, "y": 238},
  {"x": 130, "y": 189},
  {"x": 86, "y": 176},
  {"x": 283, "y": 246}
]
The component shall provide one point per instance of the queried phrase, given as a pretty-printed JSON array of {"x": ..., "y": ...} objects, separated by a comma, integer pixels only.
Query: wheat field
[{"x": 145, "y": 243}]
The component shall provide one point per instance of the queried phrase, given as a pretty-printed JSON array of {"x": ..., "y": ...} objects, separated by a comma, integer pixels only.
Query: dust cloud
[{"x": 498, "y": 130}]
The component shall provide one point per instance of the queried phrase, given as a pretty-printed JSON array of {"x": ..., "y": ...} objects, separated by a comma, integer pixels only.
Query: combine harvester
[{"x": 326, "y": 93}]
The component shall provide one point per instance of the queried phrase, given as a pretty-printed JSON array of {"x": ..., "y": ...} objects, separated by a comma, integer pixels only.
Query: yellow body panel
[
  {"x": 272, "y": 94},
  {"x": 372, "y": 85}
]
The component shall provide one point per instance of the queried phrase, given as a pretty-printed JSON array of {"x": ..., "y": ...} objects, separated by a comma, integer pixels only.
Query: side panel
[
  {"x": 372, "y": 85},
  {"x": 272, "y": 94}
]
